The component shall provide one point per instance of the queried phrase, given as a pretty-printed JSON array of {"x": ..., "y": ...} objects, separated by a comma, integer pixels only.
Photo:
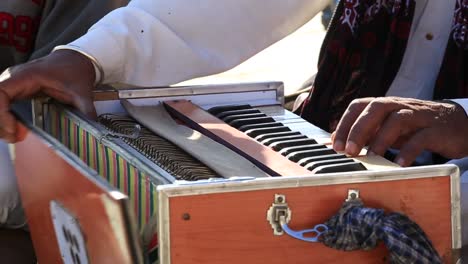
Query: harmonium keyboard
[{"x": 208, "y": 174}]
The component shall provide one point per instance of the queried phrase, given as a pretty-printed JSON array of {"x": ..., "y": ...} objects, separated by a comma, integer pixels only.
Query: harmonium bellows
[{"x": 208, "y": 174}]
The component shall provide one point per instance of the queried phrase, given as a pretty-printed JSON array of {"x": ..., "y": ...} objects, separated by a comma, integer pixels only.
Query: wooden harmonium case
[{"x": 111, "y": 190}]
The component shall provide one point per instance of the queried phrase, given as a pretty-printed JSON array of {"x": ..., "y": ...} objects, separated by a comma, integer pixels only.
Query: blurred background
[{"x": 292, "y": 60}]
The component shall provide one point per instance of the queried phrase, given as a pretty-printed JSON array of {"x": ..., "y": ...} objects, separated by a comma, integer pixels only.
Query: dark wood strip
[{"x": 265, "y": 158}]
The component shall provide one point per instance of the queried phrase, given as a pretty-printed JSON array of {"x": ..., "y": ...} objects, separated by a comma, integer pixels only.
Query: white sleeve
[
  {"x": 162, "y": 42},
  {"x": 463, "y": 102}
]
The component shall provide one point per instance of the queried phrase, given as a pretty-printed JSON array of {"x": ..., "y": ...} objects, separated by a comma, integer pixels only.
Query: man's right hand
[
  {"x": 64, "y": 75},
  {"x": 407, "y": 124}
]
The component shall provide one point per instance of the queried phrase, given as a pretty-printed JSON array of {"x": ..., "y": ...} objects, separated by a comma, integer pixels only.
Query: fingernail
[
  {"x": 401, "y": 162},
  {"x": 351, "y": 148},
  {"x": 338, "y": 145}
]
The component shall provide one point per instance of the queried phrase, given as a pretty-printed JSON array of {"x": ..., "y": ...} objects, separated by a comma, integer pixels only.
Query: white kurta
[{"x": 163, "y": 42}]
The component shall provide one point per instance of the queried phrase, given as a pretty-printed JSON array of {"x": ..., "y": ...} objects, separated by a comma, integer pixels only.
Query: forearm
[{"x": 161, "y": 42}]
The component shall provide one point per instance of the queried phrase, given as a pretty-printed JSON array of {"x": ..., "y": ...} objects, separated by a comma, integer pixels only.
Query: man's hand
[
  {"x": 64, "y": 75},
  {"x": 410, "y": 125}
]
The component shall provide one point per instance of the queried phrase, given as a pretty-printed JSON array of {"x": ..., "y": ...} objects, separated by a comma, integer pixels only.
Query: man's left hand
[{"x": 410, "y": 125}]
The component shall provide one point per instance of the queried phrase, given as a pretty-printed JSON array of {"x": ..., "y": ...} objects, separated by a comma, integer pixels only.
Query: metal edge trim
[
  {"x": 134, "y": 243},
  {"x": 174, "y": 190},
  {"x": 38, "y": 111},
  {"x": 202, "y": 89},
  {"x": 280, "y": 94},
  {"x": 164, "y": 229},
  {"x": 456, "y": 208}
]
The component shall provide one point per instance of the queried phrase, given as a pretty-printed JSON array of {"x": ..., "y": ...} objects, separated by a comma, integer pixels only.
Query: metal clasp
[
  {"x": 314, "y": 234},
  {"x": 133, "y": 135},
  {"x": 353, "y": 194},
  {"x": 279, "y": 214}
]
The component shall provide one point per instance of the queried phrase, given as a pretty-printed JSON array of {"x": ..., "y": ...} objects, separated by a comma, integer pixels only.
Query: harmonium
[{"x": 212, "y": 174}]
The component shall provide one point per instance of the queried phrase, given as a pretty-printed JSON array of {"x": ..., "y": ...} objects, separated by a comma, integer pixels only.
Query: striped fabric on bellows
[{"x": 107, "y": 163}]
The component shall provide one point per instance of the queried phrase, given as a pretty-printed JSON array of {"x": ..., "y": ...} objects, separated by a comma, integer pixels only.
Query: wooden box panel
[
  {"x": 228, "y": 224},
  {"x": 46, "y": 174}
]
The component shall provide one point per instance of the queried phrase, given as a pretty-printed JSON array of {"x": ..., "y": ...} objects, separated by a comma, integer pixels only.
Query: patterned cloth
[
  {"x": 363, "y": 50},
  {"x": 356, "y": 227}
]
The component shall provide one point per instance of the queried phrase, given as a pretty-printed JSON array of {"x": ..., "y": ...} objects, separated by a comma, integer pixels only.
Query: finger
[
  {"x": 424, "y": 139},
  {"x": 347, "y": 120},
  {"x": 86, "y": 106},
  {"x": 65, "y": 76},
  {"x": 12, "y": 87},
  {"x": 21, "y": 87},
  {"x": 39, "y": 76},
  {"x": 368, "y": 122},
  {"x": 397, "y": 125},
  {"x": 78, "y": 96},
  {"x": 67, "y": 87},
  {"x": 30, "y": 81},
  {"x": 332, "y": 136},
  {"x": 7, "y": 125},
  {"x": 18, "y": 86},
  {"x": 398, "y": 144},
  {"x": 9, "y": 137}
]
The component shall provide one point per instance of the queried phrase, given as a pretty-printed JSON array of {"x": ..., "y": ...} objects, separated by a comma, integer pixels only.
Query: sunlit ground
[{"x": 291, "y": 60}]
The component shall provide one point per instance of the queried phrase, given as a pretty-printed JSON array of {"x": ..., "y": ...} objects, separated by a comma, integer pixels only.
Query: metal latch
[
  {"x": 352, "y": 195},
  {"x": 279, "y": 214}
]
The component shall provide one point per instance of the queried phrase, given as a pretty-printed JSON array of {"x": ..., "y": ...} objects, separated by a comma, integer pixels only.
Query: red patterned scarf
[{"x": 362, "y": 53}]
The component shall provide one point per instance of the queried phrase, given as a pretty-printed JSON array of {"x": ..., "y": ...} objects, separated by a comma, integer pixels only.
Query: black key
[
  {"x": 255, "y": 126},
  {"x": 237, "y": 112},
  {"x": 218, "y": 109},
  {"x": 292, "y": 143},
  {"x": 298, "y": 155},
  {"x": 313, "y": 165},
  {"x": 229, "y": 119},
  {"x": 246, "y": 121},
  {"x": 266, "y": 130},
  {"x": 264, "y": 137},
  {"x": 289, "y": 150},
  {"x": 345, "y": 167},
  {"x": 269, "y": 141},
  {"x": 305, "y": 161}
]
